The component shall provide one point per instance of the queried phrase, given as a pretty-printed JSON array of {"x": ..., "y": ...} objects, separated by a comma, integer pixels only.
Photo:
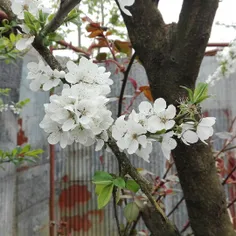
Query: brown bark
[{"x": 171, "y": 55}]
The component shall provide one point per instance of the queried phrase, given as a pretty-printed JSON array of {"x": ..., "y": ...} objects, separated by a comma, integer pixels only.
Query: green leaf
[
  {"x": 12, "y": 37},
  {"x": 190, "y": 93},
  {"x": 31, "y": 21},
  {"x": 34, "y": 153},
  {"x": 119, "y": 182},
  {"x": 132, "y": 185},
  {"x": 26, "y": 148},
  {"x": 200, "y": 91},
  {"x": 99, "y": 188},
  {"x": 105, "y": 196},
  {"x": 131, "y": 211},
  {"x": 102, "y": 177},
  {"x": 42, "y": 17}
]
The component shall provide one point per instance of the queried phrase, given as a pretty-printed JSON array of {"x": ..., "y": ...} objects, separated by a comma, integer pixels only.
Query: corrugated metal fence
[{"x": 74, "y": 166}]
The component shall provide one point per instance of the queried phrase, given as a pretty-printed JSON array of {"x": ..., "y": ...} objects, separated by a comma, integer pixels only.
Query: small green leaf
[
  {"x": 105, "y": 196},
  {"x": 132, "y": 185},
  {"x": 26, "y": 148},
  {"x": 99, "y": 188},
  {"x": 34, "y": 153},
  {"x": 119, "y": 182},
  {"x": 200, "y": 91},
  {"x": 102, "y": 177},
  {"x": 131, "y": 211},
  {"x": 12, "y": 37},
  {"x": 190, "y": 93}
]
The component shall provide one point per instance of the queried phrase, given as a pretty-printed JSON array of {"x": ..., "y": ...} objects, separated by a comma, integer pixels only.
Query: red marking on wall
[
  {"x": 65, "y": 178},
  {"x": 84, "y": 223},
  {"x": 21, "y": 138},
  {"x": 101, "y": 160},
  {"x": 72, "y": 195}
]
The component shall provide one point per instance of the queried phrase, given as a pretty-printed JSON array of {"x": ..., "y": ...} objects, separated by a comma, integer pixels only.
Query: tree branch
[
  {"x": 172, "y": 56},
  {"x": 145, "y": 27},
  {"x": 154, "y": 217},
  {"x": 193, "y": 32},
  {"x": 65, "y": 7}
]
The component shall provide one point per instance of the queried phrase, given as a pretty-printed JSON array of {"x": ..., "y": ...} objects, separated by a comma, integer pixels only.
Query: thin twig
[
  {"x": 70, "y": 46},
  {"x": 115, "y": 211},
  {"x": 176, "y": 206},
  {"x": 228, "y": 176},
  {"x": 185, "y": 227},
  {"x": 134, "y": 225},
  {"x": 231, "y": 203},
  {"x": 126, "y": 74}
]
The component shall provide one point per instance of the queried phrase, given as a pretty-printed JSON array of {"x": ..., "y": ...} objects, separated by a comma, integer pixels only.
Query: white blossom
[
  {"x": 43, "y": 76},
  {"x": 227, "y": 64},
  {"x": 144, "y": 152},
  {"x": 203, "y": 131},
  {"x": 162, "y": 118},
  {"x": 133, "y": 138},
  {"x": 126, "y": 3},
  {"x": 168, "y": 144},
  {"x": 188, "y": 134},
  {"x": 24, "y": 42},
  {"x": 19, "y": 6},
  {"x": 204, "y": 128},
  {"x": 79, "y": 114},
  {"x": 89, "y": 75}
]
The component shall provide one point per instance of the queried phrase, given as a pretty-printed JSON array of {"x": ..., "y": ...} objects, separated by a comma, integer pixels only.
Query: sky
[
  {"x": 225, "y": 14},
  {"x": 170, "y": 10}
]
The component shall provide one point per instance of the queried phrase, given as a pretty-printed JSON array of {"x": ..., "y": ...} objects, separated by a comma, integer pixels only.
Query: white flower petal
[
  {"x": 170, "y": 112},
  {"x": 155, "y": 124},
  {"x": 68, "y": 125},
  {"x": 54, "y": 138},
  {"x": 189, "y": 136},
  {"x": 145, "y": 108},
  {"x": 169, "y": 124},
  {"x": 99, "y": 144},
  {"x": 207, "y": 121},
  {"x": 159, "y": 105},
  {"x": 133, "y": 146}
]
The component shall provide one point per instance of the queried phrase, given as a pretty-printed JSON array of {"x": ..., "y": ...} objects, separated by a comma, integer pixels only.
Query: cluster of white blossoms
[
  {"x": 43, "y": 77},
  {"x": 156, "y": 122},
  {"x": 79, "y": 114},
  {"x": 227, "y": 61},
  {"x": 19, "y": 7}
]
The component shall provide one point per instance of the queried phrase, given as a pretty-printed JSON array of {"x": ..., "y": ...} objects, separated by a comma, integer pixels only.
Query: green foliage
[
  {"x": 32, "y": 23},
  {"x": 5, "y": 92},
  {"x": 8, "y": 52},
  {"x": 199, "y": 94},
  {"x": 105, "y": 195},
  {"x": 131, "y": 211},
  {"x": 73, "y": 17},
  {"x": 132, "y": 185},
  {"x": 105, "y": 184},
  {"x": 19, "y": 155},
  {"x": 119, "y": 182},
  {"x": 22, "y": 103}
]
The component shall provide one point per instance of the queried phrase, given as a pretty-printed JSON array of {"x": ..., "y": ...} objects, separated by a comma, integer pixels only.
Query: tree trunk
[{"x": 171, "y": 55}]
